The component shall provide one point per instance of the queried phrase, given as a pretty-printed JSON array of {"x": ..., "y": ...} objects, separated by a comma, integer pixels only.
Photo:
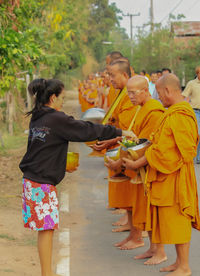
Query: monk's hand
[
  {"x": 130, "y": 134},
  {"x": 113, "y": 165},
  {"x": 129, "y": 164}
]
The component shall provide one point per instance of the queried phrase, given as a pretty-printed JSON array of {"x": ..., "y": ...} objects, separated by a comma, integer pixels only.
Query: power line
[
  {"x": 192, "y": 6},
  {"x": 178, "y": 4}
]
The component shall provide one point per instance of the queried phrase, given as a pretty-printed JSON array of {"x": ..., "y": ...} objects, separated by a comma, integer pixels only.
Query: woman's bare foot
[
  {"x": 156, "y": 259},
  {"x": 148, "y": 254},
  {"x": 122, "y": 228},
  {"x": 169, "y": 268},
  {"x": 132, "y": 244},
  {"x": 122, "y": 221},
  {"x": 180, "y": 272}
]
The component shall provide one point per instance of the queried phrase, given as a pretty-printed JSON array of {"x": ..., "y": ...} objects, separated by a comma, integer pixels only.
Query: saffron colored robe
[
  {"x": 170, "y": 180},
  {"x": 145, "y": 123},
  {"x": 133, "y": 195},
  {"x": 122, "y": 117}
]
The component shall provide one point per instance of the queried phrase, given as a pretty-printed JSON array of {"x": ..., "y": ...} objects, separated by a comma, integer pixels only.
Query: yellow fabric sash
[{"x": 113, "y": 106}]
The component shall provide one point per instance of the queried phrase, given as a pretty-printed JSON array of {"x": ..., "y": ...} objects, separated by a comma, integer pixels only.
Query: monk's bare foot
[
  {"x": 156, "y": 259},
  {"x": 180, "y": 272},
  {"x": 148, "y": 254},
  {"x": 121, "y": 228},
  {"x": 119, "y": 244},
  {"x": 119, "y": 212},
  {"x": 122, "y": 221},
  {"x": 169, "y": 268},
  {"x": 145, "y": 234},
  {"x": 132, "y": 244}
]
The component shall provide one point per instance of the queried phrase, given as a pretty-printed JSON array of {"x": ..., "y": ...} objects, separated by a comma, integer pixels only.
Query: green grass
[
  {"x": 13, "y": 142},
  {"x": 7, "y": 237},
  {"x": 30, "y": 241},
  {"x": 7, "y": 270}
]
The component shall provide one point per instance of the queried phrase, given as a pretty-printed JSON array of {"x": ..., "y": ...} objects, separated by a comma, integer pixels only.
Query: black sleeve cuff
[{"x": 119, "y": 132}]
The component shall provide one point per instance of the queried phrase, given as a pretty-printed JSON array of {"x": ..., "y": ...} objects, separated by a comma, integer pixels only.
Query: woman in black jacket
[{"x": 44, "y": 163}]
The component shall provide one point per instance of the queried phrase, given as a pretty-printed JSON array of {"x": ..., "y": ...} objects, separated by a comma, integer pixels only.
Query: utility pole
[
  {"x": 131, "y": 28},
  {"x": 151, "y": 16}
]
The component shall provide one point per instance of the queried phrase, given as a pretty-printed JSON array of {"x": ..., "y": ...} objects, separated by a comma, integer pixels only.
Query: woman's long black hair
[{"x": 42, "y": 90}]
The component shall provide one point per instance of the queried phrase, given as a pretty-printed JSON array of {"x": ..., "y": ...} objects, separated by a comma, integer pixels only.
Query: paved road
[{"x": 91, "y": 240}]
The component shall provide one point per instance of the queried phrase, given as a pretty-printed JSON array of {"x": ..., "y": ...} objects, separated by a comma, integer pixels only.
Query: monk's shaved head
[
  {"x": 122, "y": 59},
  {"x": 138, "y": 81},
  {"x": 170, "y": 80},
  {"x": 113, "y": 56},
  {"x": 138, "y": 90},
  {"x": 169, "y": 89},
  {"x": 123, "y": 66}
]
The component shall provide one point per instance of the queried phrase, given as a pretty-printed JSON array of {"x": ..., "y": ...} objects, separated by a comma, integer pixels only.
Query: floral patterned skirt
[{"x": 39, "y": 206}]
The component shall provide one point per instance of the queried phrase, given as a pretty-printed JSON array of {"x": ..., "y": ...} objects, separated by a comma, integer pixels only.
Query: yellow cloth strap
[
  {"x": 134, "y": 117},
  {"x": 113, "y": 106}
]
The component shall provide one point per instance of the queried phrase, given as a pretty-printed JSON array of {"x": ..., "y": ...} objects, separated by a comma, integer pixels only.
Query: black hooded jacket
[{"x": 49, "y": 134}]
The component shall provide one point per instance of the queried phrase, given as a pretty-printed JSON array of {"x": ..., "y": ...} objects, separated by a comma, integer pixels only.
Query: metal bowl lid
[
  {"x": 93, "y": 114},
  {"x": 142, "y": 144},
  {"x": 112, "y": 152}
]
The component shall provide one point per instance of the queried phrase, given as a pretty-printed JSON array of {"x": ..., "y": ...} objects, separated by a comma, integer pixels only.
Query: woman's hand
[
  {"x": 113, "y": 165},
  {"x": 100, "y": 145}
]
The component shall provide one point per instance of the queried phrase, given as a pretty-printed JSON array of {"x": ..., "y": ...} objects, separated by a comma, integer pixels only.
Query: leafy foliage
[{"x": 51, "y": 37}]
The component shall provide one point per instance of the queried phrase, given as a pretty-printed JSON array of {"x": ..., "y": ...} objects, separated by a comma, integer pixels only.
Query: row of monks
[{"x": 165, "y": 203}]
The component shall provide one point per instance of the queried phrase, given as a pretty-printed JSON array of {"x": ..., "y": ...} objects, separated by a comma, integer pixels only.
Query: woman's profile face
[{"x": 58, "y": 101}]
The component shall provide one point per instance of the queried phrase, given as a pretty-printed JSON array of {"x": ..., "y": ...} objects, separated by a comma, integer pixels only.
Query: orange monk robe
[
  {"x": 84, "y": 105},
  {"x": 133, "y": 194},
  {"x": 93, "y": 96},
  {"x": 122, "y": 117},
  {"x": 171, "y": 182},
  {"x": 123, "y": 113},
  {"x": 113, "y": 93},
  {"x": 145, "y": 123}
]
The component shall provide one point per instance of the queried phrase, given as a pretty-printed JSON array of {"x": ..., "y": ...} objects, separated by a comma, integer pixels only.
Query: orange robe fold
[
  {"x": 146, "y": 122},
  {"x": 126, "y": 194},
  {"x": 171, "y": 180},
  {"x": 117, "y": 192}
]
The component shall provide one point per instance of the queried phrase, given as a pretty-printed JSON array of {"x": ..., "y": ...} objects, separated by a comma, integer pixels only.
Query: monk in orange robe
[
  {"x": 92, "y": 96},
  {"x": 119, "y": 72},
  {"x": 145, "y": 123},
  {"x": 172, "y": 208}
]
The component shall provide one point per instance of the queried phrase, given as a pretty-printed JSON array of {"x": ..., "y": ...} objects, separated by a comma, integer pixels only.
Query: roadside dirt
[{"x": 18, "y": 246}]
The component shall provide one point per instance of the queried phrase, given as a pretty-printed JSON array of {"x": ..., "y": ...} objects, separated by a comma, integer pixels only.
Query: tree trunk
[
  {"x": 28, "y": 97},
  {"x": 10, "y": 112}
]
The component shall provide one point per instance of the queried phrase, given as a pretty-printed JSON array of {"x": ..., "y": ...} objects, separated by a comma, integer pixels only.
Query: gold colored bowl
[
  {"x": 114, "y": 154},
  {"x": 135, "y": 152},
  {"x": 72, "y": 161}
]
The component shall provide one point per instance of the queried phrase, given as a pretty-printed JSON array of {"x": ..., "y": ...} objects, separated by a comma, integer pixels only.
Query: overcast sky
[{"x": 162, "y": 8}]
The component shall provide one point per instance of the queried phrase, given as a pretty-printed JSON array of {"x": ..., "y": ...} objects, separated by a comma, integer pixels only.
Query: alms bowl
[
  {"x": 135, "y": 152},
  {"x": 94, "y": 115},
  {"x": 72, "y": 161},
  {"x": 114, "y": 154}
]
